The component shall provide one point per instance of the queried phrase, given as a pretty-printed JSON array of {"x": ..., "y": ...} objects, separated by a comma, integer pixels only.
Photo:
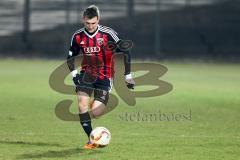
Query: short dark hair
[{"x": 91, "y": 11}]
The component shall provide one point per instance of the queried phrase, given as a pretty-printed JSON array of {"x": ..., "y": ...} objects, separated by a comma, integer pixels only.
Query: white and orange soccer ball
[{"x": 100, "y": 136}]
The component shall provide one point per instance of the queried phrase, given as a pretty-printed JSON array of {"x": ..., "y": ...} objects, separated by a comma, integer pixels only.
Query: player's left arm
[
  {"x": 127, "y": 58},
  {"x": 127, "y": 65}
]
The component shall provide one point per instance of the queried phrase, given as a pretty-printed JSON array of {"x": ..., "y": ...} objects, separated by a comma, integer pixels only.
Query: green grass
[{"x": 30, "y": 130}]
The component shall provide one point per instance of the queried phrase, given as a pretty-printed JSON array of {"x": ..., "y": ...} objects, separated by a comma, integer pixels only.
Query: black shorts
[{"x": 100, "y": 87}]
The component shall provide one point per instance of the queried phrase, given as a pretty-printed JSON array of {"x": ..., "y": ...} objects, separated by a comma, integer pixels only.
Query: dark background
[{"x": 160, "y": 29}]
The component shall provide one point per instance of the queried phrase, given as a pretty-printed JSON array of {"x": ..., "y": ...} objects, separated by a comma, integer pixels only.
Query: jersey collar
[{"x": 91, "y": 35}]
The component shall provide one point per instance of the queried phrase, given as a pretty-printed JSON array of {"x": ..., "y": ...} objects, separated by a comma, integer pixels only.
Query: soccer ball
[{"x": 100, "y": 136}]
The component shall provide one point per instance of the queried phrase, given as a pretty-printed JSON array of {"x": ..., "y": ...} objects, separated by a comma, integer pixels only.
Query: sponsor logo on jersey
[{"x": 89, "y": 50}]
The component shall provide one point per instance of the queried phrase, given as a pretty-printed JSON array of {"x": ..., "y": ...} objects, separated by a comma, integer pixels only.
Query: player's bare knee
[
  {"x": 98, "y": 108},
  {"x": 83, "y": 104}
]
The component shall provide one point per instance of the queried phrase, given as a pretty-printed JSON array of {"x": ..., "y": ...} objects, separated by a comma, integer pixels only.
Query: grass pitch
[{"x": 205, "y": 104}]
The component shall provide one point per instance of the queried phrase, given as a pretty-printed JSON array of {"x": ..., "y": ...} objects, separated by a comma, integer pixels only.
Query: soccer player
[{"x": 97, "y": 67}]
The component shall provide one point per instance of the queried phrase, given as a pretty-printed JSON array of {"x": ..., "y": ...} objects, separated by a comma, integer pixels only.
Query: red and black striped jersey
[{"x": 97, "y": 57}]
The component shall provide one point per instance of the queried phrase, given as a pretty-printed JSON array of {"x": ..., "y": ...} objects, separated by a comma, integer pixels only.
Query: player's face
[{"x": 91, "y": 24}]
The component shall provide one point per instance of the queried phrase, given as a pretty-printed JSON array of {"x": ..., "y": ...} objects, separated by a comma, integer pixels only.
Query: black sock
[{"x": 85, "y": 121}]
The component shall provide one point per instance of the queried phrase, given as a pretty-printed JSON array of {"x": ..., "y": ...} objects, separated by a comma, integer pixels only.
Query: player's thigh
[{"x": 83, "y": 100}]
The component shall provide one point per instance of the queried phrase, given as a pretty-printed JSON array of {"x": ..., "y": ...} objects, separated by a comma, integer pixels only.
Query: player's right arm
[{"x": 72, "y": 54}]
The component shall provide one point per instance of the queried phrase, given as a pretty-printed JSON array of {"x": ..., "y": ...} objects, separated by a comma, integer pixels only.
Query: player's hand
[
  {"x": 77, "y": 79},
  {"x": 129, "y": 81}
]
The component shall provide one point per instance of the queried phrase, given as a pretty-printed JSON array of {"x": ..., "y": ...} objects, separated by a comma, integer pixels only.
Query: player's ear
[{"x": 83, "y": 19}]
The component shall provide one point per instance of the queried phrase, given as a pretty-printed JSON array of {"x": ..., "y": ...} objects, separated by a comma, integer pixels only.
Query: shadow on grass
[
  {"x": 59, "y": 154},
  {"x": 30, "y": 143}
]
